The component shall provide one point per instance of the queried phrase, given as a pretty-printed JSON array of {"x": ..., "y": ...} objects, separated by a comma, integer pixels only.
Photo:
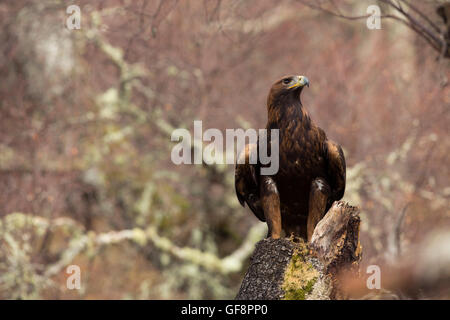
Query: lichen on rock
[
  {"x": 289, "y": 268},
  {"x": 303, "y": 279}
]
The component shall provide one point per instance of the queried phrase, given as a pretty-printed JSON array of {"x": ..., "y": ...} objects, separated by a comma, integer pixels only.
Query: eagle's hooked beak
[{"x": 301, "y": 82}]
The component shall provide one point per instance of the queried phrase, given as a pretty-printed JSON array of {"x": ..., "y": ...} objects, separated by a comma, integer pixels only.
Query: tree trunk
[{"x": 290, "y": 269}]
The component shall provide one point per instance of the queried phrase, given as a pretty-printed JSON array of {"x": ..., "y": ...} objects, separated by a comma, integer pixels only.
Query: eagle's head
[{"x": 287, "y": 87}]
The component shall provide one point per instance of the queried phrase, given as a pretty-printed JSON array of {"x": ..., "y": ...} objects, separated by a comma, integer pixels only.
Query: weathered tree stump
[{"x": 290, "y": 269}]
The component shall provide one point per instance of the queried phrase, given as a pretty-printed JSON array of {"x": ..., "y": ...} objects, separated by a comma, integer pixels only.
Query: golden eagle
[{"x": 311, "y": 173}]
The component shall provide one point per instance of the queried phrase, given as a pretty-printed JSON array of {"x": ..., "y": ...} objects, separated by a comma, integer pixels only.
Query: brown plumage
[{"x": 311, "y": 173}]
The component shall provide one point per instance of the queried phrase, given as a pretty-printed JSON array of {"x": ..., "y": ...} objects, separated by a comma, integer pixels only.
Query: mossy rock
[
  {"x": 284, "y": 269},
  {"x": 303, "y": 278}
]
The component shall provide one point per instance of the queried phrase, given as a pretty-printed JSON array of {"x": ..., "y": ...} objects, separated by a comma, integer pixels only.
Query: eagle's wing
[
  {"x": 246, "y": 181},
  {"x": 335, "y": 169}
]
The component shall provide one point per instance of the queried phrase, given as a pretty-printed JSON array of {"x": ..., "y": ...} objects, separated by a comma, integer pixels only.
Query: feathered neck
[{"x": 286, "y": 107}]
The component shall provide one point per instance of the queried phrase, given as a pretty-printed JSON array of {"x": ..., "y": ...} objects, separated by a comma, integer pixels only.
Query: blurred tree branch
[
  {"x": 407, "y": 14},
  {"x": 92, "y": 242}
]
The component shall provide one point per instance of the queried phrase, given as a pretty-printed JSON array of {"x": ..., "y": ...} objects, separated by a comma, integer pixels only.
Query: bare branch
[{"x": 423, "y": 26}]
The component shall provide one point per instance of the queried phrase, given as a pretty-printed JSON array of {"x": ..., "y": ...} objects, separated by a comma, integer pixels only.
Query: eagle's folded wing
[
  {"x": 336, "y": 169},
  {"x": 246, "y": 182}
]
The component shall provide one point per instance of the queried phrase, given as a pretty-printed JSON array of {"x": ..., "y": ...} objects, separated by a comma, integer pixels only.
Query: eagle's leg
[
  {"x": 318, "y": 197},
  {"x": 270, "y": 200}
]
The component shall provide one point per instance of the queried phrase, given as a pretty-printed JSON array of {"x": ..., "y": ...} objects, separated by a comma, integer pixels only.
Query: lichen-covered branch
[{"x": 91, "y": 242}]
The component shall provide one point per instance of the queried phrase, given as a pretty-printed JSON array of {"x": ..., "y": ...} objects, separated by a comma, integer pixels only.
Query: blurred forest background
[{"x": 86, "y": 117}]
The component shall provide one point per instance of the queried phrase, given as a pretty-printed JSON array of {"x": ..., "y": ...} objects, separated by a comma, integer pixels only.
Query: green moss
[
  {"x": 300, "y": 275},
  {"x": 293, "y": 293}
]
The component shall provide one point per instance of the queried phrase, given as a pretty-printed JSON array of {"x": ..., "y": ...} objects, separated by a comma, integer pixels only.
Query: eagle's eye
[{"x": 286, "y": 81}]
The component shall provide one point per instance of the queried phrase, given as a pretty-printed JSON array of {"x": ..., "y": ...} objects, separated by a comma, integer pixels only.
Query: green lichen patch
[{"x": 300, "y": 275}]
